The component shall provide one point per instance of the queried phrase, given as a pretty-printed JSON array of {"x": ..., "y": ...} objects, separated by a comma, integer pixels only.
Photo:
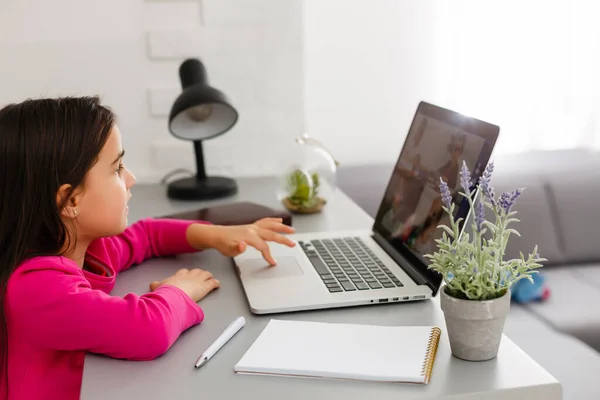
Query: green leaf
[{"x": 447, "y": 230}]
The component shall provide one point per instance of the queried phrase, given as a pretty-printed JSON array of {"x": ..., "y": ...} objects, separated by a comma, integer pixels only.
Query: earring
[{"x": 75, "y": 212}]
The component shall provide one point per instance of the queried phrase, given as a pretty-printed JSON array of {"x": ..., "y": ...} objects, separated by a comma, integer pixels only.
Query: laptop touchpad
[{"x": 259, "y": 268}]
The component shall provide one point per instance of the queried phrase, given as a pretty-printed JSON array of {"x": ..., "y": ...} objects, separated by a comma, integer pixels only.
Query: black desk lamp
[{"x": 199, "y": 113}]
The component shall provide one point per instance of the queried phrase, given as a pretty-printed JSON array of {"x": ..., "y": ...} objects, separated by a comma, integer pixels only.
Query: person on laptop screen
[{"x": 412, "y": 209}]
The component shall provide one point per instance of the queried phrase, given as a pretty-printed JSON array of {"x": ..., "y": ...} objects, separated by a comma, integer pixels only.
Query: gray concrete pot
[{"x": 474, "y": 327}]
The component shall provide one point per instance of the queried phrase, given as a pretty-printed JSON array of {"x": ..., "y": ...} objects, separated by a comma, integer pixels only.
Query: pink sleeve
[
  {"x": 69, "y": 315},
  {"x": 145, "y": 239}
]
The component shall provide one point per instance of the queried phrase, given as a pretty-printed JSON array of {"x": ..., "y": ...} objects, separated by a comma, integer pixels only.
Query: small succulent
[
  {"x": 303, "y": 189},
  {"x": 474, "y": 267}
]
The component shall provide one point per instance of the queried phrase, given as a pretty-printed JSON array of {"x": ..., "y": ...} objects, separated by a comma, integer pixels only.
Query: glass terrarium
[{"x": 308, "y": 176}]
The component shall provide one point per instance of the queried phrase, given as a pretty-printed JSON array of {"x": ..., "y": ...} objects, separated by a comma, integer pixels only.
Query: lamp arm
[{"x": 200, "y": 170}]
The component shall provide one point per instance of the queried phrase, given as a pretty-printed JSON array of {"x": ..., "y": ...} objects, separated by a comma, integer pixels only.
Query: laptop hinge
[{"x": 410, "y": 270}]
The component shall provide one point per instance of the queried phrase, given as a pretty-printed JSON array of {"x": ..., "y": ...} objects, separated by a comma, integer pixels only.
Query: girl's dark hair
[{"x": 44, "y": 143}]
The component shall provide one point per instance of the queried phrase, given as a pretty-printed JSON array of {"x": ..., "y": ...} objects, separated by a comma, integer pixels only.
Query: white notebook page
[{"x": 332, "y": 350}]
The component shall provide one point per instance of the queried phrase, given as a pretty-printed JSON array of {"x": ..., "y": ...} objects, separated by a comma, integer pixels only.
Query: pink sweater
[{"x": 56, "y": 312}]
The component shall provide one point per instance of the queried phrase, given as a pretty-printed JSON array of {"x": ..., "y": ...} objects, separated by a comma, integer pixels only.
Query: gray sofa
[{"x": 558, "y": 212}]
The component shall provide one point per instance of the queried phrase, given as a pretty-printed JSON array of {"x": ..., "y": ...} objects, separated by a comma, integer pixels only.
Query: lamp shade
[{"x": 201, "y": 111}]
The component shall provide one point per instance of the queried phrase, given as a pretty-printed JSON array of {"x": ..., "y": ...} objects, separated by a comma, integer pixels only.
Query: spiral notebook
[{"x": 343, "y": 351}]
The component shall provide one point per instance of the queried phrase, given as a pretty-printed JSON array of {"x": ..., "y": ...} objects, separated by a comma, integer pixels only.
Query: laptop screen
[{"x": 437, "y": 143}]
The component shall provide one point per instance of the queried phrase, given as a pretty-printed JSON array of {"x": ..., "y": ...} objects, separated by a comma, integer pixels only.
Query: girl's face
[{"x": 102, "y": 203}]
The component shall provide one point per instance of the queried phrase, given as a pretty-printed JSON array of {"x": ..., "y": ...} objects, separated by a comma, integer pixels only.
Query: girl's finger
[
  {"x": 272, "y": 219},
  {"x": 259, "y": 244},
  {"x": 276, "y": 237},
  {"x": 205, "y": 275},
  {"x": 261, "y": 222},
  {"x": 277, "y": 227}
]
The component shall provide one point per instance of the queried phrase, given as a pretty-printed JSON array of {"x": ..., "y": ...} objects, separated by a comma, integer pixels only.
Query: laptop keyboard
[{"x": 347, "y": 264}]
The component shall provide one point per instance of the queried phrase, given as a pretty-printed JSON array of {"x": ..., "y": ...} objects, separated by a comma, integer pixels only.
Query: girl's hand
[
  {"x": 196, "y": 283},
  {"x": 234, "y": 240}
]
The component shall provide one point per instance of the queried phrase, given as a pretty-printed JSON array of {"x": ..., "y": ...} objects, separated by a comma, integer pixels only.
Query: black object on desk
[{"x": 239, "y": 213}]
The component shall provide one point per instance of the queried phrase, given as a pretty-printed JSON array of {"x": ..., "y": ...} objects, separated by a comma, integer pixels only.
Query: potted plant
[
  {"x": 302, "y": 194},
  {"x": 476, "y": 296}
]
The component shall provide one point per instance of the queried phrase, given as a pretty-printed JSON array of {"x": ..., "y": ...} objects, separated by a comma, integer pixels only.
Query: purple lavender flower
[
  {"x": 445, "y": 191},
  {"x": 508, "y": 199},
  {"x": 504, "y": 202},
  {"x": 516, "y": 194},
  {"x": 485, "y": 181},
  {"x": 492, "y": 197},
  {"x": 465, "y": 177},
  {"x": 479, "y": 215}
]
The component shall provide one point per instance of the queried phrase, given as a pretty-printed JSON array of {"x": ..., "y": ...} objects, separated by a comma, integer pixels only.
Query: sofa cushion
[
  {"x": 576, "y": 192},
  {"x": 590, "y": 274},
  {"x": 556, "y": 352},
  {"x": 573, "y": 303},
  {"x": 537, "y": 224}
]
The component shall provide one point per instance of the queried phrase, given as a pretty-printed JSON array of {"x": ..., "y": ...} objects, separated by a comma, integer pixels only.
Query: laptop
[{"x": 385, "y": 264}]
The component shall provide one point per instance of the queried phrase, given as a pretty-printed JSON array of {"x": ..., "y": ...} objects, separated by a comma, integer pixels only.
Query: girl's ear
[
  {"x": 67, "y": 199},
  {"x": 69, "y": 212}
]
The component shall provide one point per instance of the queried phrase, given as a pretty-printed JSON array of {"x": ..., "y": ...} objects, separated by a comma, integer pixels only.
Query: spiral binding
[{"x": 432, "y": 346}]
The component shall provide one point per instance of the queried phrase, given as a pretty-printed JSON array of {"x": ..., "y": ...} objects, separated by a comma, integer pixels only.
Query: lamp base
[{"x": 212, "y": 187}]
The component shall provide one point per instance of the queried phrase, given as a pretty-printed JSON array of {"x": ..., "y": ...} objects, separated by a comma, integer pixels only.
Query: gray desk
[{"x": 513, "y": 375}]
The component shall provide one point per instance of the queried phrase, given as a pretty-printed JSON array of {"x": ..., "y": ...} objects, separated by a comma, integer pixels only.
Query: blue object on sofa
[{"x": 524, "y": 291}]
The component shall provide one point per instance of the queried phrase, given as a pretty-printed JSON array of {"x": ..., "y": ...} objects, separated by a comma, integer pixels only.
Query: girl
[{"x": 64, "y": 238}]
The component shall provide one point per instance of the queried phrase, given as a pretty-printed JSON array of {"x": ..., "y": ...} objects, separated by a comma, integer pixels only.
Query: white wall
[
  {"x": 349, "y": 72},
  {"x": 367, "y": 65},
  {"x": 129, "y": 52}
]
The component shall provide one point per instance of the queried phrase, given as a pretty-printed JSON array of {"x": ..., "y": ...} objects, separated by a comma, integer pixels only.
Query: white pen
[{"x": 227, "y": 334}]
